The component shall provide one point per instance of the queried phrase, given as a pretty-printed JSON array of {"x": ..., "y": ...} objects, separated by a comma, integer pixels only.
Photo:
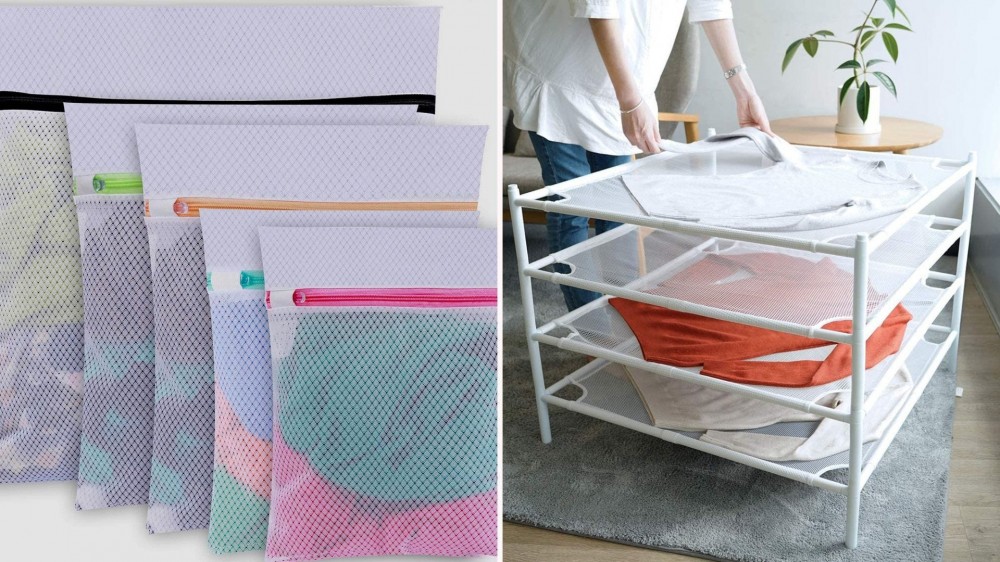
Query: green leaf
[
  {"x": 902, "y": 13},
  {"x": 892, "y": 6},
  {"x": 844, "y": 89},
  {"x": 824, "y": 33},
  {"x": 860, "y": 27},
  {"x": 864, "y": 98},
  {"x": 873, "y": 62},
  {"x": 867, "y": 37},
  {"x": 811, "y": 45},
  {"x": 849, "y": 64},
  {"x": 897, "y": 26},
  {"x": 886, "y": 81},
  {"x": 890, "y": 45},
  {"x": 789, "y": 53},
  {"x": 878, "y": 21}
]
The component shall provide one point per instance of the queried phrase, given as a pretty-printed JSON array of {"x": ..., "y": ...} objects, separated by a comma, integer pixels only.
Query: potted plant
[{"x": 859, "y": 98}]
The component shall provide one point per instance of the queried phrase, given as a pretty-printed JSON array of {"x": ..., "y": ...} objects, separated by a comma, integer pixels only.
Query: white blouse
[{"x": 555, "y": 81}]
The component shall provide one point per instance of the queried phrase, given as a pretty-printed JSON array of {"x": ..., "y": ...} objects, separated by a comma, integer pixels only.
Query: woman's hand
[
  {"x": 642, "y": 129},
  {"x": 750, "y": 113}
]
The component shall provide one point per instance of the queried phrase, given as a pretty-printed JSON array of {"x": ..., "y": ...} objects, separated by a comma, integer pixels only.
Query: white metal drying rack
[{"x": 590, "y": 196}]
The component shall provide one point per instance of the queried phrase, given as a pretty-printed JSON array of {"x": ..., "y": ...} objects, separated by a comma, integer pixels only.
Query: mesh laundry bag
[
  {"x": 155, "y": 53},
  {"x": 187, "y": 168},
  {"x": 383, "y": 343},
  {"x": 117, "y": 419},
  {"x": 242, "y": 358}
]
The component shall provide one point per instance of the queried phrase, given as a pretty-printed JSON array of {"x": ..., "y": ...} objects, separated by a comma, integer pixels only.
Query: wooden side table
[{"x": 898, "y": 135}]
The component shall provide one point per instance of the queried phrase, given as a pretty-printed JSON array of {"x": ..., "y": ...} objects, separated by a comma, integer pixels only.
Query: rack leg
[
  {"x": 528, "y": 303},
  {"x": 963, "y": 255},
  {"x": 858, "y": 339}
]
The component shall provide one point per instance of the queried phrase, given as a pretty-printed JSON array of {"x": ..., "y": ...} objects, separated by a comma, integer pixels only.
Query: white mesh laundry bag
[
  {"x": 383, "y": 344},
  {"x": 187, "y": 168},
  {"x": 155, "y": 53},
  {"x": 117, "y": 412},
  {"x": 242, "y": 357}
]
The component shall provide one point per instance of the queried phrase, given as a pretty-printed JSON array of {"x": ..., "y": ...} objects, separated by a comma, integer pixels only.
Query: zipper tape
[
  {"x": 190, "y": 207},
  {"x": 384, "y": 297},
  {"x": 54, "y": 103}
]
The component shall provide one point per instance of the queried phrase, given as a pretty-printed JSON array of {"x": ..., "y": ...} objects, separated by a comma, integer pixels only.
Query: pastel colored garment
[
  {"x": 241, "y": 487},
  {"x": 41, "y": 314},
  {"x": 726, "y": 349},
  {"x": 830, "y": 436},
  {"x": 384, "y": 391},
  {"x": 687, "y": 406},
  {"x": 117, "y": 416}
]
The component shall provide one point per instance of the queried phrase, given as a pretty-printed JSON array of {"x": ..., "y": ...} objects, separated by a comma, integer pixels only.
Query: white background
[
  {"x": 38, "y": 521},
  {"x": 947, "y": 74}
]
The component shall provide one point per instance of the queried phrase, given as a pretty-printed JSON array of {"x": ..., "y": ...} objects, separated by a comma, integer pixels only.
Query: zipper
[
  {"x": 252, "y": 280},
  {"x": 388, "y": 297},
  {"x": 54, "y": 103},
  {"x": 190, "y": 207},
  {"x": 108, "y": 184}
]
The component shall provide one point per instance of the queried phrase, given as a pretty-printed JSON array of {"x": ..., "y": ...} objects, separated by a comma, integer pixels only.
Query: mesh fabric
[{"x": 41, "y": 316}]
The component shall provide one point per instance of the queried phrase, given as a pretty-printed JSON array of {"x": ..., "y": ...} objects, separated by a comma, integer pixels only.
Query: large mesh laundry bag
[
  {"x": 383, "y": 344},
  {"x": 187, "y": 168},
  {"x": 155, "y": 53},
  {"x": 117, "y": 412},
  {"x": 242, "y": 358}
]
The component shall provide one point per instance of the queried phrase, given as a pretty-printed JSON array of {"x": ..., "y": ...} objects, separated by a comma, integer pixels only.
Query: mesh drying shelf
[
  {"x": 604, "y": 194},
  {"x": 606, "y": 386},
  {"x": 598, "y": 330},
  {"x": 685, "y": 267}
]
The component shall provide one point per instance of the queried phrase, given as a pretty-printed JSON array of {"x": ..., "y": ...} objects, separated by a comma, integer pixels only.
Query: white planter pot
[{"x": 848, "y": 120}]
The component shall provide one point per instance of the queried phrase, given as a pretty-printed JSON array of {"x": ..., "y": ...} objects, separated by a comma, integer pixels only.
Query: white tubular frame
[{"x": 860, "y": 466}]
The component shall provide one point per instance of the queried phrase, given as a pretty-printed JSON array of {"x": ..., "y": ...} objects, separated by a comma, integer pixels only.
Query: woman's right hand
[{"x": 641, "y": 128}]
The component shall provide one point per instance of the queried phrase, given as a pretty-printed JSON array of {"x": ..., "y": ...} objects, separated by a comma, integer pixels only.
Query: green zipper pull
[{"x": 118, "y": 184}]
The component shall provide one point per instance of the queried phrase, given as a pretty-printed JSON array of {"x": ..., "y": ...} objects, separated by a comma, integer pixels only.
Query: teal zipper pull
[
  {"x": 118, "y": 184},
  {"x": 252, "y": 280},
  {"x": 231, "y": 280}
]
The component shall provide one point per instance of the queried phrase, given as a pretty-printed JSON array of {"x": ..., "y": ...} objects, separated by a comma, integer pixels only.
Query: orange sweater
[{"x": 723, "y": 348}]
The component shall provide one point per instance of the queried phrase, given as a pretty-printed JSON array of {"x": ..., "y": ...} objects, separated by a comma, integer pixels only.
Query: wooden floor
[{"x": 973, "y": 528}]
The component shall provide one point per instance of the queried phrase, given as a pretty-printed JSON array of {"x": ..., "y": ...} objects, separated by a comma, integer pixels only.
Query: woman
[{"x": 579, "y": 76}]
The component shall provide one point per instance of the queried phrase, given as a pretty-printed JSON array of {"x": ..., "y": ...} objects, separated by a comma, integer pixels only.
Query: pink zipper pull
[{"x": 388, "y": 297}]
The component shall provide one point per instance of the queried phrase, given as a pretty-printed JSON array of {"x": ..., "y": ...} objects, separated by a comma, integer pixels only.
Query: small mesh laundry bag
[
  {"x": 383, "y": 344},
  {"x": 155, "y": 53},
  {"x": 242, "y": 357},
  {"x": 187, "y": 168},
  {"x": 117, "y": 413}
]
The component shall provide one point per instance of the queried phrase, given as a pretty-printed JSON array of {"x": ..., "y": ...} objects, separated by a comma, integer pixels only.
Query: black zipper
[{"x": 54, "y": 103}]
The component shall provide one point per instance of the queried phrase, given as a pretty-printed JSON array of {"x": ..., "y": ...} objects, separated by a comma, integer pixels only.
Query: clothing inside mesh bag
[
  {"x": 41, "y": 317},
  {"x": 384, "y": 441},
  {"x": 314, "y": 164},
  {"x": 181, "y": 469},
  {"x": 385, "y": 412},
  {"x": 117, "y": 412},
  {"x": 171, "y": 53},
  {"x": 242, "y": 362}
]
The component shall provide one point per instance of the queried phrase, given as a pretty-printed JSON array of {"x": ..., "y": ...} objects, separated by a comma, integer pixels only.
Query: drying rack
[{"x": 894, "y": 253}]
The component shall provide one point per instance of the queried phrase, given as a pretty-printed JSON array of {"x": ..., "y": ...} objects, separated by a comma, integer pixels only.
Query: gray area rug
[{"x": 603, "y": 481}]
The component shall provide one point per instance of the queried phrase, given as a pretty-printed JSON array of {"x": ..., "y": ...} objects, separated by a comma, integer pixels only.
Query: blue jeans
[{"x": 562, "y": 162}]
